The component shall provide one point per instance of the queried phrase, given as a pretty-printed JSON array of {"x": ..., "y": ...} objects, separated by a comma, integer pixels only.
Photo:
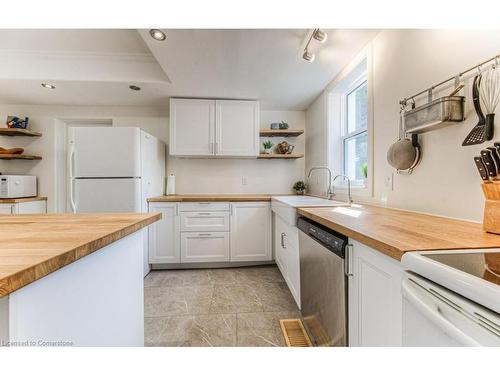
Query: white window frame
[
  {"x": 336, "y": 115},
  {"x": 345, "y": 135}
]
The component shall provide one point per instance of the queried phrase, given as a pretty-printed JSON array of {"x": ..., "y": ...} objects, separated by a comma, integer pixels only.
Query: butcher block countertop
[
  {"x": 32, "y": 246},
  {"x": 394, "y": 232},
  {"x": 215, "y": 198},
  {"x": 20, "y": 200}
]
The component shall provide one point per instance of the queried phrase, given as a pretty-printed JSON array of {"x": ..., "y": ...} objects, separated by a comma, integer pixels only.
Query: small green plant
[
  {"x": 283, "y": 125},
  {"x": 268, "y": 145},
  {"x": 364, "y": 170},
  {"x": 299, "y": 187}
]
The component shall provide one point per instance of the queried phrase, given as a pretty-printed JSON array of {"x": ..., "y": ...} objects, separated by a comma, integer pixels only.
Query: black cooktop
[{"x": 483, "y": 265}]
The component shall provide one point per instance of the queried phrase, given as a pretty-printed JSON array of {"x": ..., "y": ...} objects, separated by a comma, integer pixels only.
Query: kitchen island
[{"x": 72, "y": 279}]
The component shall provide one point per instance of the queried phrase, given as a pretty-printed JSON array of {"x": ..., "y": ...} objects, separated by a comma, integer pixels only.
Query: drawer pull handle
[
  {"x": 204, "y": 234},
  {"x": 204, "y": 203},
  {"x": 204, "y": 213}
]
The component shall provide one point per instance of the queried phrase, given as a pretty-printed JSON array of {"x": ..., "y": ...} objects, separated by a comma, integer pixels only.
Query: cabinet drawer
[
  {"x": 215, "y": 221},
  {"x": 204, "y": 206},
  {"x": 204, "y": 247}
]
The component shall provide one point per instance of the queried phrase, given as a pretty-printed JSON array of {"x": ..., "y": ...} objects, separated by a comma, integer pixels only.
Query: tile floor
[{"x": 216, "y": 307}]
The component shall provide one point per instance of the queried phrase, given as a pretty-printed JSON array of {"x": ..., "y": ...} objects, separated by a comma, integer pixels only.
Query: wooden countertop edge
[
  {"x": 35, "y": 272},
  {"x": 215, "y": 198},
  {"x": 384, "y": 248},
  {"x": 20, "y": 200}
]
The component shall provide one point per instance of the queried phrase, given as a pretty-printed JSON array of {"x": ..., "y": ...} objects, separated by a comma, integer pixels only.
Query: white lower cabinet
[
  {"x": 164, "y": 235},
  {"x": 251, "y": 231},
  {"x": 286, "y": 247},
  {"x": 33, "y": 207},
  {"x": 375, "y": 300},
  {"x": 198, "y": 232},
  {"x": 204, "y": 247}
]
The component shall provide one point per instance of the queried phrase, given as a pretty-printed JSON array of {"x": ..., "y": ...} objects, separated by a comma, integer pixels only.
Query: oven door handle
[{"x": 426, "y": 304}]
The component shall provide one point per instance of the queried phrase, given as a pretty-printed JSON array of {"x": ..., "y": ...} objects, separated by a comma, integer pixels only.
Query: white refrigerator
[{"x": 114, "y": 169}]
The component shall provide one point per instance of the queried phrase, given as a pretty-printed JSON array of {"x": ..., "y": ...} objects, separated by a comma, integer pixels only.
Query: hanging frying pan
[{"x": 404, "y": 154}]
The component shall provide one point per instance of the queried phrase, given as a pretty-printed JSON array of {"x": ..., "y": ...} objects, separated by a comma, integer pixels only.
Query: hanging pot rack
[{"x": 457, "y": 78}]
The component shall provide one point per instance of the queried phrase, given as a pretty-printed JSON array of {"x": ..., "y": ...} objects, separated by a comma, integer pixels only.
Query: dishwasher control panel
[{"x": 329, "y": 238}]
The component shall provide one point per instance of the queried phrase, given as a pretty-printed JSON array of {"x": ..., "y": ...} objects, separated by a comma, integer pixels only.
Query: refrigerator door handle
[{"x": 71, "y": 155}]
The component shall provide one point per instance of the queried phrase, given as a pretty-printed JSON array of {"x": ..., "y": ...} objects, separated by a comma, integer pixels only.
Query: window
[
  {"x": 355, "y": 134},
  {"x": 349, "y": 128}
]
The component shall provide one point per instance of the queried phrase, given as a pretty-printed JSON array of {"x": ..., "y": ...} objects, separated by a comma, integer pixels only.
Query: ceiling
[{"x": 96, "y": 67}]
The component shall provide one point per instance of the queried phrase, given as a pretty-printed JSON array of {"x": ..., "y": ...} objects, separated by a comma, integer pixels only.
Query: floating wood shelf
[
  {"x": 281, "y": 132},
  {"x": 20, "y": 157},
  {"x": 11, "y": 132},
  {"x": 280, "y": 156}
]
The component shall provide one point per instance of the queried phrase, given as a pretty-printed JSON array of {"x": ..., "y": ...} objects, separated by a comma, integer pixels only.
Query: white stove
[{"x": 451, "y": 298}]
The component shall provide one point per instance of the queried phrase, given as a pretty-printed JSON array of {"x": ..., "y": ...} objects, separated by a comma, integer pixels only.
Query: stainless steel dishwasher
[{"x": 323, "y": 283}]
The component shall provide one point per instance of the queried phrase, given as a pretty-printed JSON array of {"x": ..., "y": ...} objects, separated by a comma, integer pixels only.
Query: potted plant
[
  {"x": 299, "y": 187},
  {"x": 364, "y": 171},
  {"x": 283, "y": 125},
  {"x": 268, "y": 145}
]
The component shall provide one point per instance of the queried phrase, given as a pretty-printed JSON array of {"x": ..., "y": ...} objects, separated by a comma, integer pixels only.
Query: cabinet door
[
  {"x": 287, "y": 256},
  {"x": 279, "y": 249},
  {"x": 237, "y": 129},
  {"x": 7, "y": 209},
  {"x": 204, "y": 247},
  {"x": 192, "y": 127},
  {"x": 251, "y": 231},
  {"x": 375, "y": 300},
  {"x": 164, "y": 235}
]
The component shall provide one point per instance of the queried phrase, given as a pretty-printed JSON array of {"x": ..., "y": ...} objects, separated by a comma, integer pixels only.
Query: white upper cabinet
[
  {"x": 237, "y": 128},
  {"x": 211, "y": 128},
  {"x": 192, "y": 127}
]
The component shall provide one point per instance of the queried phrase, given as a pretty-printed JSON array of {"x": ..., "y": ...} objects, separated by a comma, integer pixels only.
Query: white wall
[
  {"x": 192, "y": 175},
  {"x": 404, "y": 62},
  {"x": 316, "y": 154},
  {"x": 225, "y": 176}
]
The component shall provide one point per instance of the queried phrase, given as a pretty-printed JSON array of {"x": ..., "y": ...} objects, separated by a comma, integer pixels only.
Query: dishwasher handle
[{"x": 348, "y": 260}]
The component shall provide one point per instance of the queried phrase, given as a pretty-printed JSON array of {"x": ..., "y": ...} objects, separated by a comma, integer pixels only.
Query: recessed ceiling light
[
  {"x": 320, "y": 36},
  {"x": 135, "y": 88},
  {"x": 308, "y": 56},
  {"x": 157, "y": 34},
  {"x": 48, "y": 86}
]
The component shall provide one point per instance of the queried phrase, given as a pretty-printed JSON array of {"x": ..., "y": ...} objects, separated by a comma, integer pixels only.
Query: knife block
[{"x": 491, "y": 219}]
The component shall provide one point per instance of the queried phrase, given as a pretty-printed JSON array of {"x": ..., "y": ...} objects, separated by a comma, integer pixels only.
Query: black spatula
[{"x": 478, "y": 134}]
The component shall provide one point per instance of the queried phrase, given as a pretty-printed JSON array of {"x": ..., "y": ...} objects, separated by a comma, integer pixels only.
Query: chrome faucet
[
  {"x": 329, "y": 192},
  {"x": 349, "y": 198}
]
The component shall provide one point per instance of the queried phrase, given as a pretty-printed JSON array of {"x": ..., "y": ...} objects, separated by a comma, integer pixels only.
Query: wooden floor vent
[{"x": 294, "y": 333}]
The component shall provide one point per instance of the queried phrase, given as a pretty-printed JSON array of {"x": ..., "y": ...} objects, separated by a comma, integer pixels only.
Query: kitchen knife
[
  {"x": 497, "y": 146},
  {"x": 481, "y": 168},
  {"x": 495, "y": 156},
  {"x": 489, "y": 163}
]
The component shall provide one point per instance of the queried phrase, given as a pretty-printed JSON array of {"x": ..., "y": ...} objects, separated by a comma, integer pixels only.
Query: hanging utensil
[
  {"x": 490, "y": 97},
  {"x": 404, "y": 154},
  {"x": 478, "y": 134}
]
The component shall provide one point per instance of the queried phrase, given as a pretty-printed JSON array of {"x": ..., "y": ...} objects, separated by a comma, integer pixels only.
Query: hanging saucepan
[{"x": 404, "y": 155}]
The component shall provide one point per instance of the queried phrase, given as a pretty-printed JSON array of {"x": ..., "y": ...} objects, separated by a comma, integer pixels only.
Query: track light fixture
[
  {"x": 308, "y": 56},
  {"x": 319, "y": 36}
]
